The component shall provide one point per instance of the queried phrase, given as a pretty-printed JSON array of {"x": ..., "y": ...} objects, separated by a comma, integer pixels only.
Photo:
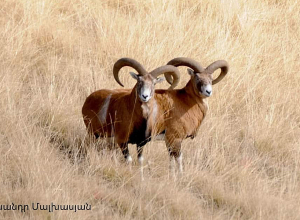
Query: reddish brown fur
[
  {"x": 180, "y": 113},
  {"x": 124, "y": 114}
]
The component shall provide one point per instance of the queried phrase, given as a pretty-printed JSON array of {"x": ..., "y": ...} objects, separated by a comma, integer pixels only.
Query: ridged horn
[
  {"x": 127, "y": 62},
  {"x": 170, "y": 71},
  {"x": 184, "y": 61},
  {"x": 216, "y": 65}
]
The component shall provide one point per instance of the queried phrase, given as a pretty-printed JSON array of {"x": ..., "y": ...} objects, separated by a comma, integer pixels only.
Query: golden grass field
[{"x": 245, "y": 161}]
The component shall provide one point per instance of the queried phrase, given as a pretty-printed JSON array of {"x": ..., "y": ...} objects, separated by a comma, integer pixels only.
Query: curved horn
[
  {"x": 170, "y": 71},
  {"x": 127, "y": 62},
  {"x": 184, "y": 61},
  {"x": 216, "y": 65}
]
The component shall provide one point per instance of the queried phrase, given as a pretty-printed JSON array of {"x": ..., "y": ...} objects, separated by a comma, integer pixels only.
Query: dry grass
[{"x": 244, "y": 163}]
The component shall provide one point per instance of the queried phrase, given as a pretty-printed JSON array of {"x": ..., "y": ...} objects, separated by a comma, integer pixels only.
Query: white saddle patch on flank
[{"x": 103, "y": 111}]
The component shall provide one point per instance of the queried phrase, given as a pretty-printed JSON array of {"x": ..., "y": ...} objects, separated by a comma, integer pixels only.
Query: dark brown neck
[{"x": 190, "y": 90}]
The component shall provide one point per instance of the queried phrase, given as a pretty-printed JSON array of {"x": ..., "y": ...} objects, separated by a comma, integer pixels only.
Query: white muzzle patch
[
  {"x": 207, "y": 90},
  {"x": 145, "y": 95}
]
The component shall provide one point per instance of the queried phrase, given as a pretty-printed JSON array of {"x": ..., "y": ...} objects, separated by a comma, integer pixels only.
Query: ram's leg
[
  {"x": 171, "y": 167},
  {"x": 171, "y": 158},
  {"x": 140, "y": 148},
  {"x": 179, "y": 163},
  {"x": 125, "y": 152},
  {"x": 175, "y": 153}
]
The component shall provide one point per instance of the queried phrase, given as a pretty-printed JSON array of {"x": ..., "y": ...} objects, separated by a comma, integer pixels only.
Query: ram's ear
[
  {"x": 190, "y": 72},
  {"x": 133, "y": 75},
  {"x": 159, "y": 80}
]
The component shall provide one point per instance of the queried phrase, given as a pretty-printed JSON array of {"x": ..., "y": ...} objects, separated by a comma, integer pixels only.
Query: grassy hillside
[{"x": 244, "y": 163}]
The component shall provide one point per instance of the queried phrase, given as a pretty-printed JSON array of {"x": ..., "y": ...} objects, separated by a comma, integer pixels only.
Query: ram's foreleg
[
  {"x": 140, "y": 148},
  {"x": 174, "y": 149},
  {"x": 125, "y": 152}
]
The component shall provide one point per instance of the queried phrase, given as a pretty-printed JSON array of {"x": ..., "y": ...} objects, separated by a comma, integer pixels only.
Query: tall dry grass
[{"x": 244, "y": 163}]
